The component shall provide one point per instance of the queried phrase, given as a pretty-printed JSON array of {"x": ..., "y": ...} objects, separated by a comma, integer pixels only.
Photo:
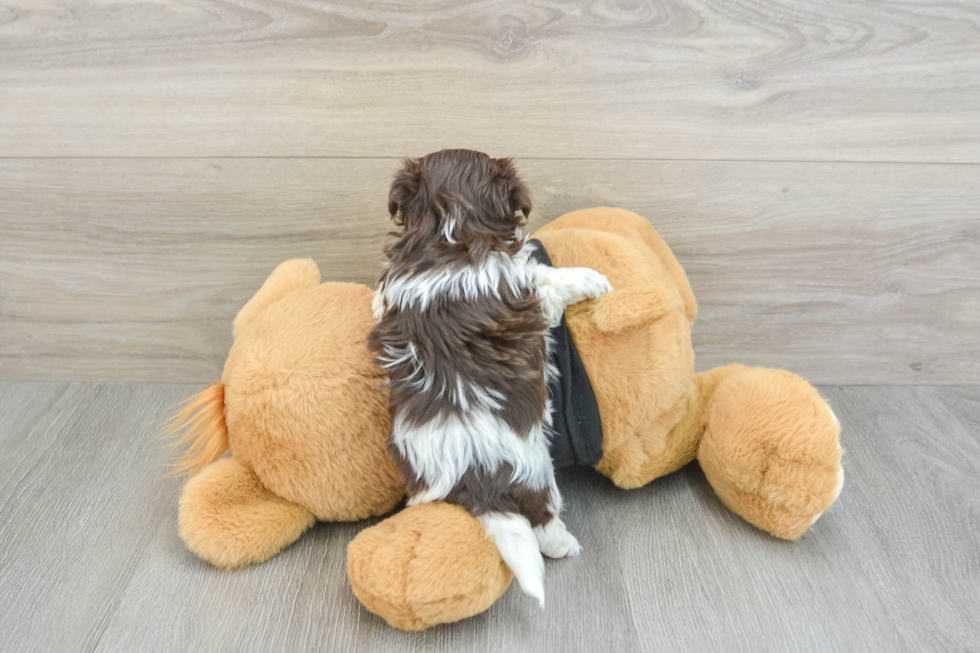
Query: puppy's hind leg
[{"x": 555, "y": 541}]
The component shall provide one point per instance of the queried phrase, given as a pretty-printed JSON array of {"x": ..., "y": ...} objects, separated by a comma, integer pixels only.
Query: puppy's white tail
[{"x": 514, "y": 538}]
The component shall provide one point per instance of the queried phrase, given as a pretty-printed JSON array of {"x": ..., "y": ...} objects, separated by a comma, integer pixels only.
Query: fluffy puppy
[{"x": 463, "y": 318}]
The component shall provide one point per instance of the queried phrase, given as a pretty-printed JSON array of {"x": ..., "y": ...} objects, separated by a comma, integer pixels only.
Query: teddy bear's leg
[
  {"x": 230, "y": 519},
  {"x": 429, "y": 564},
  {"x": 770, "y": 447}
]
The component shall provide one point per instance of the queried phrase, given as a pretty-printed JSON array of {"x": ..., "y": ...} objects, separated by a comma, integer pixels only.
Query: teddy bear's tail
[{"x": 199, "y": 426}]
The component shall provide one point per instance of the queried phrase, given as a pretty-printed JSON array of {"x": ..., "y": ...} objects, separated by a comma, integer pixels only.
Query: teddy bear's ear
[
  {"x": 516, "y": 194},
  {"x": 406, "y": 199},
  {"x": 291, "y": 275}
]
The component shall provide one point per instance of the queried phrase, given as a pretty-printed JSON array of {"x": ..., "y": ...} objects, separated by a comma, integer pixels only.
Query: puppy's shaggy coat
[{"x": 463, "y": 327}]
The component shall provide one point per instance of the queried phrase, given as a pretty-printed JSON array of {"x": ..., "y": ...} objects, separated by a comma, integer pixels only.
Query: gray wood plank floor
[{"x": 90, "y": 558}]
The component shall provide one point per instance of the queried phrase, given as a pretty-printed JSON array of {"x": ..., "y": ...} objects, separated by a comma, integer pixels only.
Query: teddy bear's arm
[
  {"x": 230, "y": 519},
  {"x": 629, "y": 309}
]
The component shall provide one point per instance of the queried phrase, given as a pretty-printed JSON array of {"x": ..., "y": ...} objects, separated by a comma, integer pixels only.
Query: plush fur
[
  {"x": 304, "y": 411},
  {"x": 418, "y": 576},
  {"x": 306, "y": 416},
  {"x": 227, "y": 516}
]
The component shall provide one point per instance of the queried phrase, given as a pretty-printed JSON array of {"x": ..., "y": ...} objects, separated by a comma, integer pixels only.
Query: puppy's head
[{"x": 463, "y": 197}]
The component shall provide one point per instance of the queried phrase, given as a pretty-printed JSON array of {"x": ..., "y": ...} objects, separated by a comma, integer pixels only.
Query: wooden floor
[{"x": 90, "y": 558}]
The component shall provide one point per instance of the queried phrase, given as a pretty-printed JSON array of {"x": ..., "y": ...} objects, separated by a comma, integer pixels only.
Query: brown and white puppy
[{"x": 463, "y": 327}]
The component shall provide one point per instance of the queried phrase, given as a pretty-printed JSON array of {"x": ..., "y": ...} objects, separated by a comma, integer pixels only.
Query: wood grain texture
[
  {"x": 889, "y": 80},
  {"x": 90, "y": 559},
  {"x": 132, "y": 270}
]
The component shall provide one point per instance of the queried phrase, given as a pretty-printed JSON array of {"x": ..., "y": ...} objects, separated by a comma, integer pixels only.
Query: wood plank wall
[{"x": 815, "y": 166}]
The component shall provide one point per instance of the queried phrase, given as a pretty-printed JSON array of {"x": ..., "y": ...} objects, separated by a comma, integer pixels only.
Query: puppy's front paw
[
  {"x": 378, "y": 306},
  {"x": 594, "y": 284},
  {"x": 584, "y": 283}
]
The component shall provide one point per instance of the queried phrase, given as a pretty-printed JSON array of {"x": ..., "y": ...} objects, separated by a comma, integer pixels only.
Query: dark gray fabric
[{"x": 577, "y": 436}]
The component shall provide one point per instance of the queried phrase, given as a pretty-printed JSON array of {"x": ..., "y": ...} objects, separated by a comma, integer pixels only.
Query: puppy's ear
[
  {"x": 407, "y": 194},
  {"x": 516, "y": 194}
]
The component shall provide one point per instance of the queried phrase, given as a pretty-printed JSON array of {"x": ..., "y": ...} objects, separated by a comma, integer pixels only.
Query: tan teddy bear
[{"x": 302, "y": 410}]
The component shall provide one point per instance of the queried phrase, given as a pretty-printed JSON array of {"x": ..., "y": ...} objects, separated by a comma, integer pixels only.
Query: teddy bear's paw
[
  {"x": 428, "y": 564},
  {"x": 555, "y": 541},
  {"x": 771, "y": 448},
  {"x": 837, "y": 488},
  {"x": 230, "y": 519}
]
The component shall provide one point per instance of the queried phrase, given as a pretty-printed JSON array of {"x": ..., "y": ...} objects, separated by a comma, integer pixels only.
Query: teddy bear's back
[{"x": 635, "y": 343}]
